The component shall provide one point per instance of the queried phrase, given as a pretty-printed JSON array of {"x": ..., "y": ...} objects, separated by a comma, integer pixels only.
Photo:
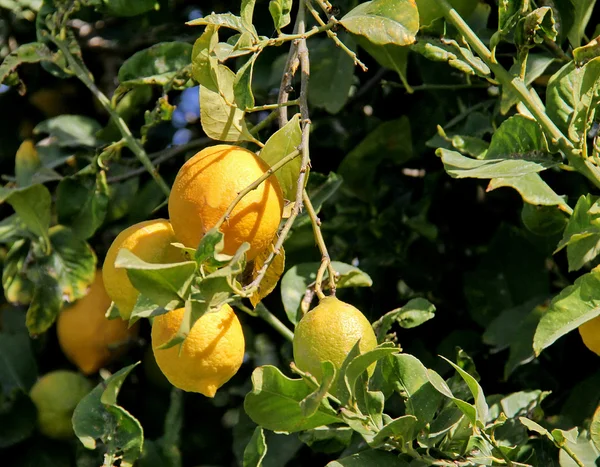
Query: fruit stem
[
  {"x": 528, "y": 96},
  {"x": 254, "y": 185},
  {"x": 325, "y": 258},
  {"x": 333, "y": 36},
  {"x": 133, "y": 144}
]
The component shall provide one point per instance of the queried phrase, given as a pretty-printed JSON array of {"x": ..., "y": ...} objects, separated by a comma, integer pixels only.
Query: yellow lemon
[
  {"x": 206, "y": 185},
  {"x": 211, "y": 354},
  {"x": 329, "y": 332},
  {"x": 590, "y": 334},
  {"x": 55, "y": 395},
  {"x": 86, "y": 336},
  {"x": 148, "y": 240}
]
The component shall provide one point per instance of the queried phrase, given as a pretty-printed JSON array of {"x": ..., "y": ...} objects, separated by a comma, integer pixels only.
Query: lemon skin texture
[
  {"x": 148, "y": 240},
  {"x": 329, "y": 332},
  {"x": 55, "y": 395},
  {"x": 206, "y": 185},
  {"x": 210, "y": 355},
  {"x": 86, "y": 336},
  {"x": 590, "y": 334},
  {"x": 429, "y": 10}
]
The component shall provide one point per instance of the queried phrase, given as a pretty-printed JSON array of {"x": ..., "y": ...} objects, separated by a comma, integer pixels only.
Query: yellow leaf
[{"x": 272, "y": 275}]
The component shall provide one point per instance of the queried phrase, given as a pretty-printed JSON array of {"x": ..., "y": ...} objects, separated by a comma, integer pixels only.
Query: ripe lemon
[
  {"x": 55, "y": 395},
  {"x": 590, "y": 334},
  {"x": 86, "y": 336},
  {"x": 150, "y": 241},
  {"x": 210, "y": 355},
  {"x": 205, "y": 186},
  {"x": 329, "y": 332}
]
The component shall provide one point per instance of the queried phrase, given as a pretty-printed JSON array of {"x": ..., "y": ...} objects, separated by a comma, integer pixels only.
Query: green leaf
[
  {"x": 157, "y": 64},
  {"x": 33, "y": 52},
  {"x": 459, "y": 166},
  {"x": 210, "y": 248},
  {"x": 585, "y": 53},
  {"x": 582, "y": 234},
  {"x": 449, "y": 51},
  {"x": 220, "y": 118},
  {"x": 416, "y": 312},
  {"x": 370, "y": 458},
  {"x": 384, "y": 21},
  {"x": 535, "y": 27},
  {"x": 281, "y": 143},
  {"x": 274, "y": 403},
  {"x": 204, "y": 62},
  {"x": 402, "y": 429},
  {"x": 32, "y": 205},
  {"x": 165, "y": 284},
  {"x": 27, "y": 163},
  {"x": 361, "y": 363},
  {"x": 582, "y": 10},
  {"x": 390, "y": 56},
  {"x": 71, "y": 130},
  {"x": 310, "y": 404},
  {"x": 409, "y": 378},
  {"x": 532, "y": 189},
  {"x": 256, "y": 449},
  {"x": 17, "y": 287},
  {"x": 391, "y": 140},
  {"x": 246, "y": 13},
  {"x": 129, "y": 8},
  {"x": 72, "y": 262},
  {"x": 595, "y": 429},
  {"x": 331, "y": 74},
  {"x": 327, "y": 439},
  {"x": 82, "y": 202},
  {"x": 480, "y": 403},
  {"x": 581, "y": 447},
  {"x": 18, "y": 368},
  {"x": 242, "y": 85},
  {"x": 298, "y": 277},
  {"x": 536, "y": 65},
  {"x": 280, "y": 12},
  {"x": 12, "y": 228},
  {"x": 97, "y": 417},
  {"x": 45, "y": 305},
  {"x": 227, "y": 20},
  {"x": 517, "y": 137},
  {"x": 440, "y": 385},
  {"x": 570, "y": 98},
  {"x": 573, "y": 306}
]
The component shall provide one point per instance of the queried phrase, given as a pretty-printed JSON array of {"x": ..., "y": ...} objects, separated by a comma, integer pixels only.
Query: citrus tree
[{"x": 231, "y": 234}]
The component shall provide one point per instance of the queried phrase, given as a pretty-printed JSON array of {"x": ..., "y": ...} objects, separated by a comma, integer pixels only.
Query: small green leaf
[
  {"x": 409, "y": 378},
  {"x": 310, "y": 404},
  {"x": 242, "y": 85},
  {"x": 45, "y": 305},
  {"x": 535, "y": 27},
  {"x": 246, "y": 13},
  {"x": 402, "y": 429},
  {"x": 362, "y": 362},
  {"x": 341, "y": 389},
  {"x": 157, "y": 64},
  {"x": 459, "y": 166},
  {"x": 71, "y": 130},
  {"x": 331, "y": 73},
  {"x": 165, "y": 284},
  {"x": 220, "y": 118},
  {"x": 517, "y": 137},
  {"x": 81, "y": 203},
  {"x": 33, "y": 52},
  {"x": 227, "y": 20},
  {"x": 532, "y": 189},
  {"x": 27, "y": 163},
  {"x": 281, "y": 143},
  {"x": 440, "y": 385},
  {"x": 204, "y": 63},
  {"x": 370, "y": 458},
  {"x": 582, "y": 10},
  {"x": 18, "y": 288},
  {"x": 384, "y": 21},
  {"x": 595, "y": 428},
  {"x": 327, "y": 439},
  {"x": 97, "y": 417},
  {"x": 274, "y": 403},
  {"x": 447, "y": 50},
  {"x": 416, "y": 312},
  {"x": 256, "y": 449},
  {"x": 210, "y": 248},
  {"x": 32, "y": 205},
  {"x": 573, "y": 306},
  {"x": 280, "y": 12}
]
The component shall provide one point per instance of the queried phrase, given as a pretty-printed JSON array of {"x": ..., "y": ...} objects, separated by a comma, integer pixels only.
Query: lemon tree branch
[{"x": 83, "y": 74}]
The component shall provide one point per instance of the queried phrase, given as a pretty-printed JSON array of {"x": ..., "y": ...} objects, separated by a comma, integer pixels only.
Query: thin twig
[
  {"x": 325, "y": 258},
  {"x": 133, "y": 144},
  {"x": 272, "y": 106}
]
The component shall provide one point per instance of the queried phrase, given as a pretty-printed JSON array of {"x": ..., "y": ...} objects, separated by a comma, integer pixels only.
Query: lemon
[
  {"x": 329, "y": 332},
  {"x": 86, "y": 336},
  {"x": 148, "y": 240},
  {"x": 590, "y": 334},
  {"x": 211, "y": 354},
  {"x": 206, "y": 185},
  {"x": 55, "y": 395}
]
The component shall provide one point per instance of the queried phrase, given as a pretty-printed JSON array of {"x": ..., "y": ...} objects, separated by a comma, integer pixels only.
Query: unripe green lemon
[
  {"x": 329, "y": 332},
  {"x": 55, "y": 395}
]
